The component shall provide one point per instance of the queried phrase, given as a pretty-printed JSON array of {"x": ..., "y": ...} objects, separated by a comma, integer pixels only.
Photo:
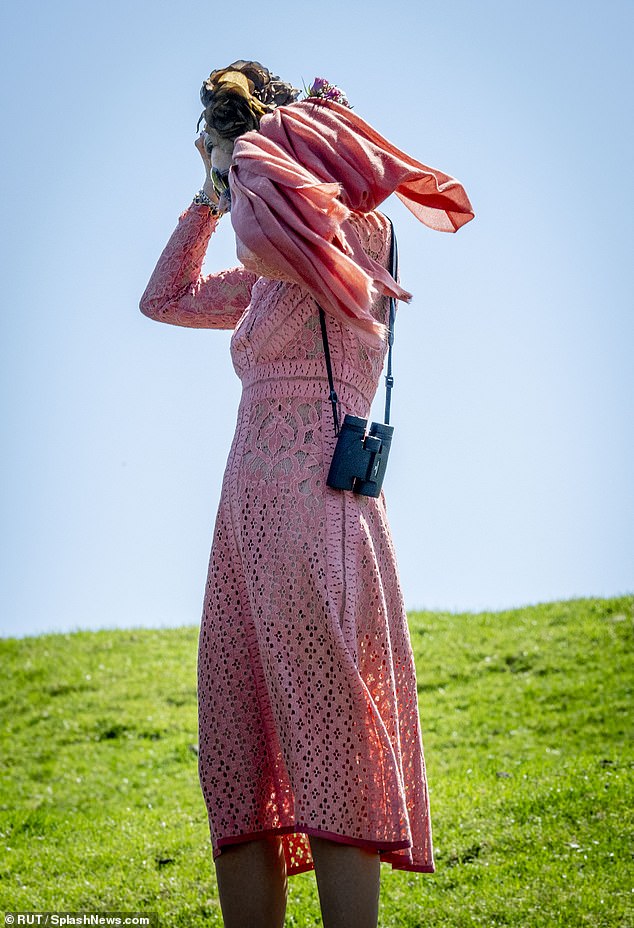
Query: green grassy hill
[{"x": 528, "y": 743}]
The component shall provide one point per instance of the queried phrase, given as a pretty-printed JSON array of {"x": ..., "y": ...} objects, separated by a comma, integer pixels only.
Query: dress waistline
[{"x": 307, "y": 378}]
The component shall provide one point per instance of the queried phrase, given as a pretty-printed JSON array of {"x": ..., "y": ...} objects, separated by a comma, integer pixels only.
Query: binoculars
[{"x": 360, "y": 457}]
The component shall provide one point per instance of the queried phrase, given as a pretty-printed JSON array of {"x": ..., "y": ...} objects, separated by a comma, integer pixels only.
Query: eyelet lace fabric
[{"x": 308, "y": 714}]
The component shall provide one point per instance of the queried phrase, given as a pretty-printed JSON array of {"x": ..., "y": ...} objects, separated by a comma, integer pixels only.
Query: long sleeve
[{"x": 177, "y": 291}]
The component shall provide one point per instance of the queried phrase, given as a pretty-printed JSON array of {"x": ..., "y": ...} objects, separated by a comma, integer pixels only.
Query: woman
[{"x": 310, "y": 750}]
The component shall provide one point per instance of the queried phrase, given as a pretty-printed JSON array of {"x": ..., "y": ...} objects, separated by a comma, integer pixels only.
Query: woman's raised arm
[{"x": 178, "y": 293}]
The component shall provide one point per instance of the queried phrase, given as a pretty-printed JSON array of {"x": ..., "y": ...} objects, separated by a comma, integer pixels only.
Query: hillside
[{"x": 528, "y": 742}]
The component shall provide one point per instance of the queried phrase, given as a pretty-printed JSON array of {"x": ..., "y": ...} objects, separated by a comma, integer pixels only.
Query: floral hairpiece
[{"x": 326, "y": 91}]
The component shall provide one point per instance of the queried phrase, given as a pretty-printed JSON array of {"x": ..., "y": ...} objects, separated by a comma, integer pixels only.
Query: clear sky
[{"x": 511, "y": 479}]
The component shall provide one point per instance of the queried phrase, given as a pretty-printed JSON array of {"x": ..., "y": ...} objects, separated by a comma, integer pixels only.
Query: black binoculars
[{"x": 360, "y": 456}]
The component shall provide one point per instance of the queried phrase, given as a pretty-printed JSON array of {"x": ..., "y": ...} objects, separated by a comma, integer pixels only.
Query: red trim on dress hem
[
  {"x": 416, "y": 868},
  {"x": 383, "y": 847}
]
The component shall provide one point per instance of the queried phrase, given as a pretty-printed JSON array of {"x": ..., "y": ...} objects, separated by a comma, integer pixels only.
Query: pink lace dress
[{"x": 308, "y": 716}]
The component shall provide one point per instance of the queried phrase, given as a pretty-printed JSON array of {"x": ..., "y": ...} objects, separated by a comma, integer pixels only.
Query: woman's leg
[
  {"x": 252, "y": 884},
  {"x": 348, "y": 881}
]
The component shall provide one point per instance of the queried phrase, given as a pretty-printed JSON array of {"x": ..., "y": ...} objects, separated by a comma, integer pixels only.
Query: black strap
[
  {"x": 389, "y": 379},
  {"x": 334, "y": 399}
]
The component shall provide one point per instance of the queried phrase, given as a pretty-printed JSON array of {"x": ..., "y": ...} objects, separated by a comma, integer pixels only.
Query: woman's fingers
[{"x": 204, "y": 154}]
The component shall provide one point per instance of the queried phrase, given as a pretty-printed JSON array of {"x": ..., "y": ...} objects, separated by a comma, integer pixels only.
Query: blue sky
[{"x": 511, "y": 473}]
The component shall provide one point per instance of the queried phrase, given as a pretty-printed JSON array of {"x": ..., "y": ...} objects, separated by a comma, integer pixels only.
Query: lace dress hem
[{"x": 385, "y": 849}]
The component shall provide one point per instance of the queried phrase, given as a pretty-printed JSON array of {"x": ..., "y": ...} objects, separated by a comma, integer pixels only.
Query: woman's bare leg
[
  {"x": 252, "y": 884},
  {"x": 348, "y": 881}
]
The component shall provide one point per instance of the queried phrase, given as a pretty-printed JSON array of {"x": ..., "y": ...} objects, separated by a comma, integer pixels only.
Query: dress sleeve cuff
[{"x": 202, "y": 212}]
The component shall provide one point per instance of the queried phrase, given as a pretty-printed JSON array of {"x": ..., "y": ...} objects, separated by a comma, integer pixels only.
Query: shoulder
[{"x": 374, "y": 233}]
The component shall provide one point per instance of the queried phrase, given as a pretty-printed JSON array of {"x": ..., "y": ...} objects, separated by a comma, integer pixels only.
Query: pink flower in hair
[{"x": 326, "y": 91}]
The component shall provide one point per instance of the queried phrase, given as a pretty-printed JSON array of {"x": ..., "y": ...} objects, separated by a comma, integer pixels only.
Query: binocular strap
[{"x": 389, "y": 379}]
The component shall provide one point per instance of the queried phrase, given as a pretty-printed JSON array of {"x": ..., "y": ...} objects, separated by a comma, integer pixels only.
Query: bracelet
[{"x": 201, "y": 199}]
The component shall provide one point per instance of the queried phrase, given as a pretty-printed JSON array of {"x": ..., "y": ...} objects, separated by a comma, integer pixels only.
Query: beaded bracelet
[{"x": 201, "y": 199}]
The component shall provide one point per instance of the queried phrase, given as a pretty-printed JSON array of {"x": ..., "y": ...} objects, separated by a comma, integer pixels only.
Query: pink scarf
[{"x": 294, "y": 185}]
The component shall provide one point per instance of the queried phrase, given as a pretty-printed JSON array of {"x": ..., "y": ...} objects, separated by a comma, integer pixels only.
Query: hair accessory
[
  {"x": 323, "y": 89},
  {"x": 236, "y": 97}
]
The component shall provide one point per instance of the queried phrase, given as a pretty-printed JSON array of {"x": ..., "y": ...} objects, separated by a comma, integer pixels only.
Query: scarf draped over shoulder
[{"x": 294, "y": 185}]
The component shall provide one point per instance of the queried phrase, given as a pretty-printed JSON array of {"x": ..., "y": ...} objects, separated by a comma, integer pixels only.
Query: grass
[{"x": 528, "y": 744}]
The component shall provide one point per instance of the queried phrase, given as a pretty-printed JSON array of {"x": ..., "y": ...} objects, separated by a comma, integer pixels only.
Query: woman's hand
[
  {"x": 208, "y": 186},
  {"x": 204, "y": 154}
]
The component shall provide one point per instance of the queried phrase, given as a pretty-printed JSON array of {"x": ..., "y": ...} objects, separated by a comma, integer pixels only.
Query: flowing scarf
[{"x": 296, "y": 182}]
